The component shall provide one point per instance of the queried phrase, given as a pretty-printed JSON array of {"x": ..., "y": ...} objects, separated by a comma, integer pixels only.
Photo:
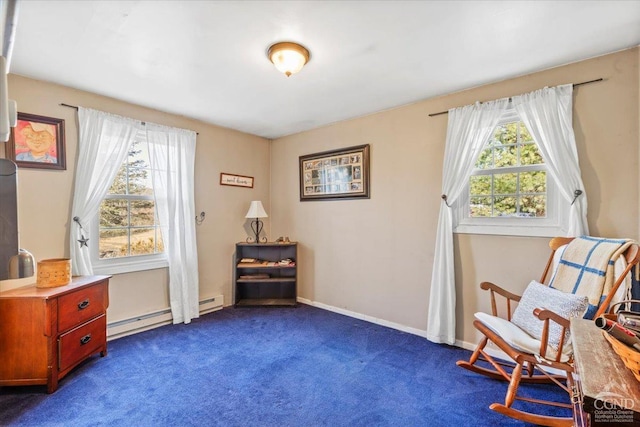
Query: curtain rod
[
  {"x": 574, "y": 85},
  {"x": 70, "y": 106},
  {"x": 75, "y": 107}
]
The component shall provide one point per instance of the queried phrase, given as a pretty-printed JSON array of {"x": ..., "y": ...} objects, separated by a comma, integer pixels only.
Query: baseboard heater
[{"x": 144, "y": 322}]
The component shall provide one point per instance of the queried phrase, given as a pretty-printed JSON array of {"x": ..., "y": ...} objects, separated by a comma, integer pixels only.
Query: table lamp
[{"x": 256, "y": 211}]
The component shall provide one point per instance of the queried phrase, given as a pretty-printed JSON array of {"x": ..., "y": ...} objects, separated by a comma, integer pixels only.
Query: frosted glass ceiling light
[{"x": 288, "y": 57}]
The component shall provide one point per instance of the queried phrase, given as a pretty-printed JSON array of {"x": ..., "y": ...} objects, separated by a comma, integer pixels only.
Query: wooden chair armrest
[
  {"x": 546, "y": 316},
  {"x": 495, "y": 289},
  {"x": 488, "y": 286}
]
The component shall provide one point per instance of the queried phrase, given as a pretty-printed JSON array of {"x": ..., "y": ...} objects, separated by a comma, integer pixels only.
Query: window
[
  {"x": 509, "y": 191},
  {"x": 128, "y": 229}
]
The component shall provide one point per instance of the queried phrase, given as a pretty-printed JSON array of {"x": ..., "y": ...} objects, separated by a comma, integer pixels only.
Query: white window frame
[
  {"x": 129, "y": 263},
  {"x": 554, "y": 224}
]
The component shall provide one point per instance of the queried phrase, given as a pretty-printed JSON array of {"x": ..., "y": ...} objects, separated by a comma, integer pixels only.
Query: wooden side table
[{"x": 607, "y": 392}]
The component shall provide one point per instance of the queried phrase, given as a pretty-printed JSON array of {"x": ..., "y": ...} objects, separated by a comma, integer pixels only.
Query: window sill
[
  {"x": 129, "y": 265},
  {"x": 512, "y": 230}
]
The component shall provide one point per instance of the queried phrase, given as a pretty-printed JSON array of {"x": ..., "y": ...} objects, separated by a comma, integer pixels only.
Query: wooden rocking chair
[{"x": 532, "y": 357}]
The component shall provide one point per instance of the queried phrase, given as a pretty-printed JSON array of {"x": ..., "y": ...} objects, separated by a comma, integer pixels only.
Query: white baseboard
[
  {"x": 208, "y": 305},
  {"x": 155, "y": 319},
  {"x": 360, "y": 316},
  {"x": 490, "y": 349}
]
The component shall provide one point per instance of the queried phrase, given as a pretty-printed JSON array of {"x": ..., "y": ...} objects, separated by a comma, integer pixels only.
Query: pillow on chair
[{"x": 538, "y": 295}]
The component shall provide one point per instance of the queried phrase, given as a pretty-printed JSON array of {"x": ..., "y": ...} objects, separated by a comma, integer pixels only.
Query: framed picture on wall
[
  {"x": 37, "y": 142},
  {"x": 336, "y": 174}
]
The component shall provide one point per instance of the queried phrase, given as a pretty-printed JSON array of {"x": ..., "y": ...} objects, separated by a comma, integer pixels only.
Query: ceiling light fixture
[{"x": 288, "y": 57}]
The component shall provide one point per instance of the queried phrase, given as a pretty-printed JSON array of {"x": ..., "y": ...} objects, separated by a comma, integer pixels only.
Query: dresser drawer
[
  {"x": 79, "y": 343},
  {"x": 77, "y": 307}
]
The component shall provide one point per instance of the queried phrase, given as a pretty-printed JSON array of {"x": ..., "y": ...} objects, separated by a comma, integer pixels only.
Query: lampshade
[
  {"x": 256, "y": 210},
  {"x": 21, "y": 265},
  {"x": 288, "y": 57}
]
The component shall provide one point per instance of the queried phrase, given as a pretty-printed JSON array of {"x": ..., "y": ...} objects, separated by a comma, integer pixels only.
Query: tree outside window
[
  {"x": 128, "y": 222},
  {"x": 510, "y": 191},
  {"x": 509, "y": 179}
]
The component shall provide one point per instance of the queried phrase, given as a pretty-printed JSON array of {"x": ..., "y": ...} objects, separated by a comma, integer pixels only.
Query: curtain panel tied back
[
  {"x": 468, "y": 129},
  {"x": 548, "y": 114},
  {"x": 104, "y": 141}
]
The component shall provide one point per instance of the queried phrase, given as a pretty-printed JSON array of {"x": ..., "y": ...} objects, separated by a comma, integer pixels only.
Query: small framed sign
[{"x": 236, "y": 180}]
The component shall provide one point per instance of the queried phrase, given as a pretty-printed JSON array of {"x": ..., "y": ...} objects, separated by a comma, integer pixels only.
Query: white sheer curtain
[
  {"x": 172, "y": 156},
  {"x": 103, "y": 145},
  {"x": 468, "y": 130},
  {"x": 548, "y": 114}
]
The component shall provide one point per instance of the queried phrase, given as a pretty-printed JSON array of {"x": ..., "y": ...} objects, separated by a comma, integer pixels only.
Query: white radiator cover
[{"x": 155, "y": 319}]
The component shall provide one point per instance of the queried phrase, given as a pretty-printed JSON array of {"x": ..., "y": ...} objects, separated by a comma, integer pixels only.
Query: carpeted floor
[{"x": 269, "y": 367}]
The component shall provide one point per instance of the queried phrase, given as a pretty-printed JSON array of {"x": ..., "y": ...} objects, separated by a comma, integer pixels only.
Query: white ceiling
[{"x": 207, "y": 59}]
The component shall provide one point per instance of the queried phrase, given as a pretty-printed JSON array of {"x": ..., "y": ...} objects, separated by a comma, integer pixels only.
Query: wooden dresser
[
  {"x": 607, "y": 393},
  {"x": 44, "y": 333}
]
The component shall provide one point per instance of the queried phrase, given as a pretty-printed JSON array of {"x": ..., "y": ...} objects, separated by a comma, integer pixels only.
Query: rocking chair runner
[{"x": 531, "y": 357}]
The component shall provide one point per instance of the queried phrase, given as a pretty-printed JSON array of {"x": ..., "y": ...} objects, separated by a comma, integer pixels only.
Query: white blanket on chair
[{"x": 587, "y": 268}]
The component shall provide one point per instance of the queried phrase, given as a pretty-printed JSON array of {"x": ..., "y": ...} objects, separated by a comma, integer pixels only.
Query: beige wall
[
  {"x": 44, "y": 196},
  {"x": 374, "y": 257}
]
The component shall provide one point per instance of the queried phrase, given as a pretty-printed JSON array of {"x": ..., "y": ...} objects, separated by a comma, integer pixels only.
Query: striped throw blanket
[{"x": 586, "y": 268}]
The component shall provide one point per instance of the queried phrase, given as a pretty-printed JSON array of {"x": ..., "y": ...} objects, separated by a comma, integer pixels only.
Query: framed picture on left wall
[{"x": 37, "y": 142}]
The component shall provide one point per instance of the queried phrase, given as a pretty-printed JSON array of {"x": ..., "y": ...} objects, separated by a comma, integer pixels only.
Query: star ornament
[{"x": 83, "y": 241}]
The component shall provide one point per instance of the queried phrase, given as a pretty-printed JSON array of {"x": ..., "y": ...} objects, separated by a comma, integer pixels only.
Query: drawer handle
[
  {"x": 85, "y": 339},
  {"x": 84, "y": 304}
]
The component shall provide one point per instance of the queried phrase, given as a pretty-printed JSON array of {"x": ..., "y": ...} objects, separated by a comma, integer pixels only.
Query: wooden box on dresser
[{"x": 46, "y": 332}]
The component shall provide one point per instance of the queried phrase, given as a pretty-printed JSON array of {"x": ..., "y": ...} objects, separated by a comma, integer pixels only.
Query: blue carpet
[{"x": 269, "y": 367}]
